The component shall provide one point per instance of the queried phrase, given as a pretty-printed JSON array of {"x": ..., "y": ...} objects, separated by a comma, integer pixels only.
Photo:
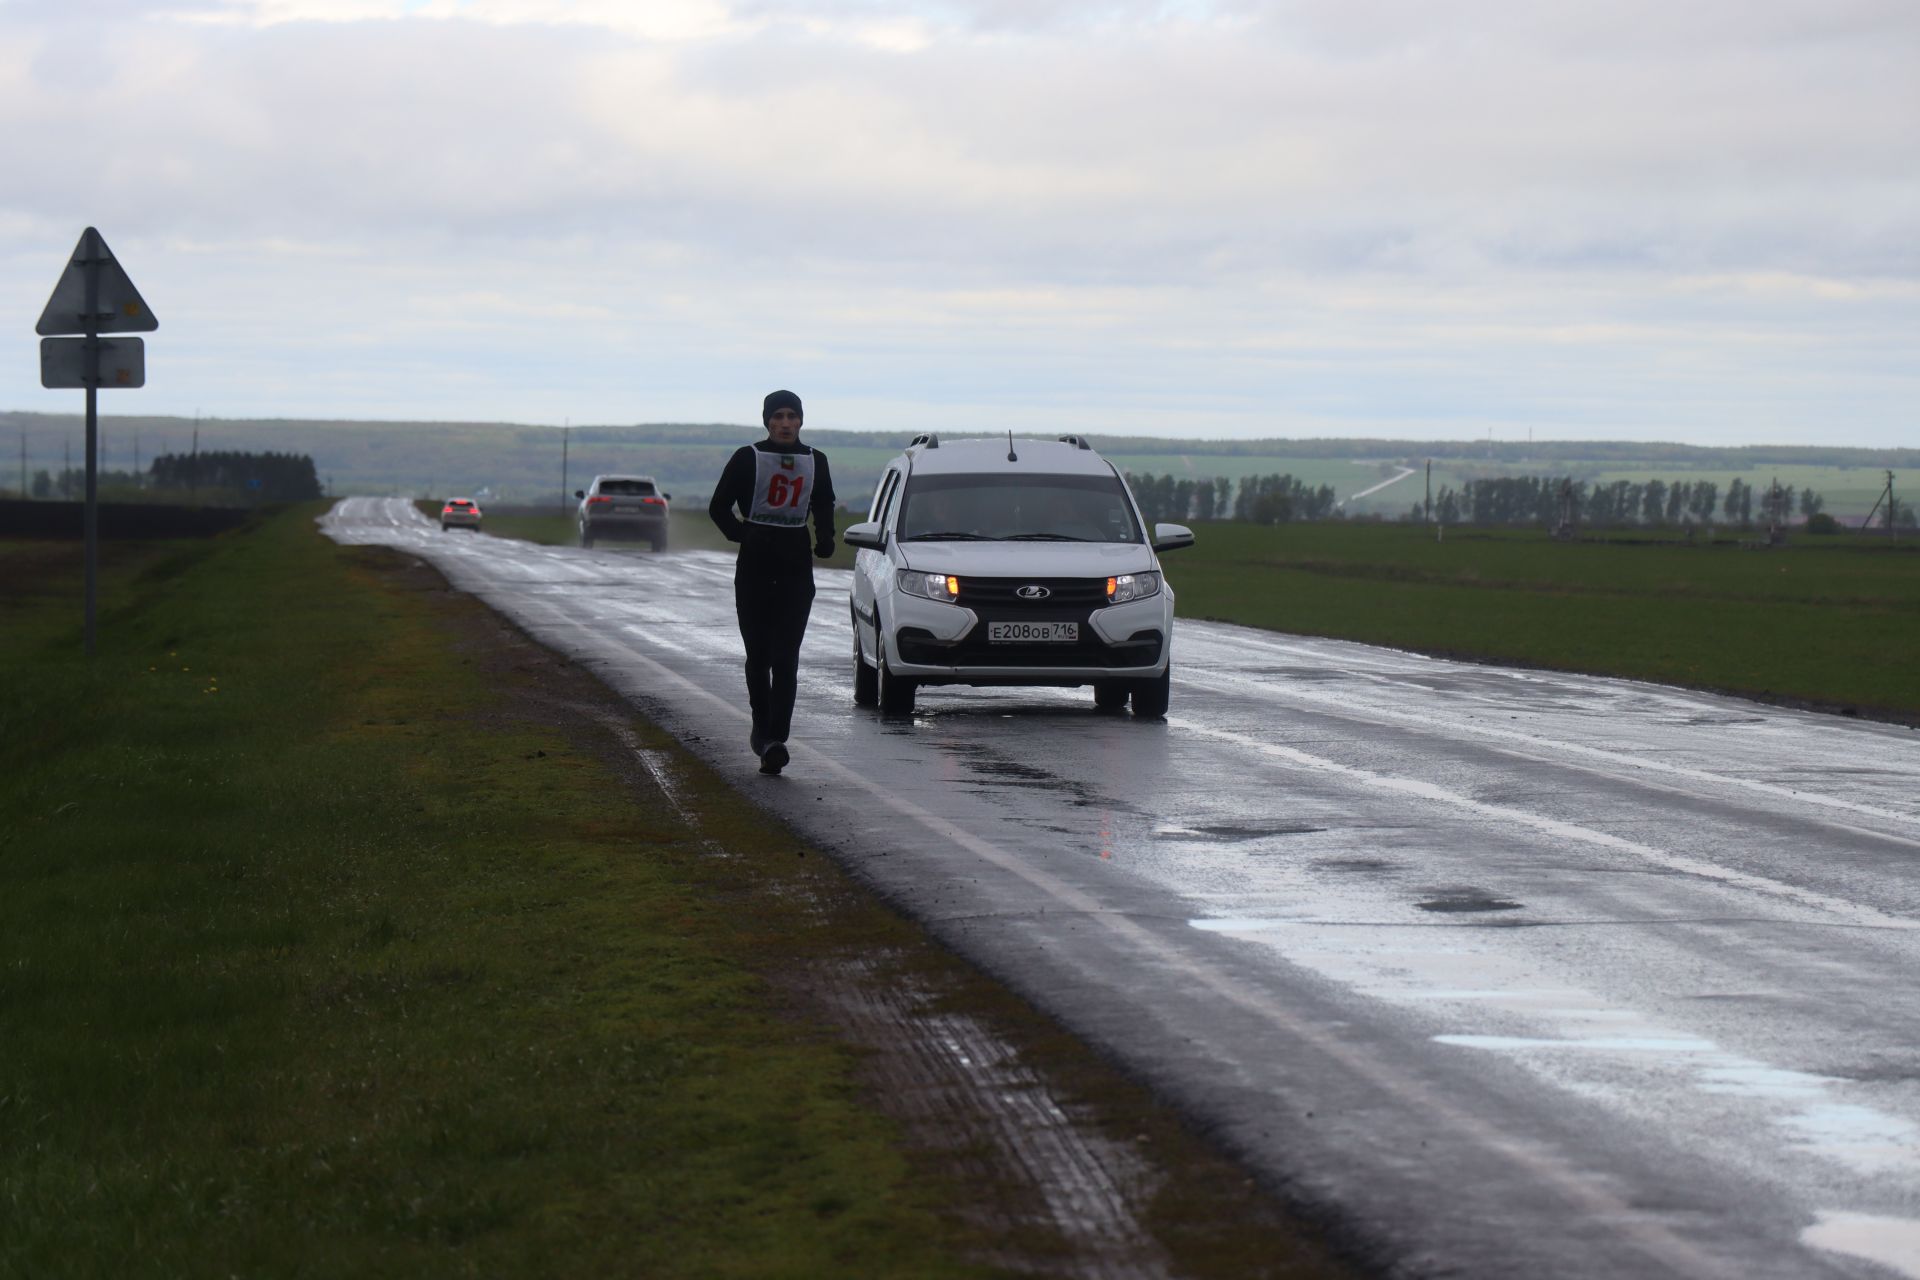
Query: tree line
[
  {"x": 1268, "y": 499},
  {"x": 1552, "y": 500},
  {"x": 261, "y": 477},
  {"x": 251, "y": 477}
]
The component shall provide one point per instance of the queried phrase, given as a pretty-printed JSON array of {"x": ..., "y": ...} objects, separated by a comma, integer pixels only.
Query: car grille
[{"x": 1061, "y": 593}]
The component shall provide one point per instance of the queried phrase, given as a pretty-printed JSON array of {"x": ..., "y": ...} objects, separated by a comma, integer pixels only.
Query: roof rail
[
  {"x": 1078, "y": 442},
  {"x": 930, "y": 440}
]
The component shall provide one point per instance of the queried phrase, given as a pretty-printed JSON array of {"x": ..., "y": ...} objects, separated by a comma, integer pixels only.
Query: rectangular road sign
[
  {"x": 64, "y": 363},
  {"x": 116, "y": 306}
]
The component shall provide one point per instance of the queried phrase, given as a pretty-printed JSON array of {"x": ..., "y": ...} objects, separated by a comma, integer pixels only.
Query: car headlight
[
  {"x": 1132, "y": 586},
  {"x": 928, "y": 586}
]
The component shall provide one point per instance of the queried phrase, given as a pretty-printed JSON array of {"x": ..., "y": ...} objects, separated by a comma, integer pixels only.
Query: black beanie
[{"x": 780, "y": 400}]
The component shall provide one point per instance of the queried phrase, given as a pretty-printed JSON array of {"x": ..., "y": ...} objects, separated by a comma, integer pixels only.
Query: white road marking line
[
  {"x": 1540, "y": 746},
  {"x": 1852, "y": 911},
  {"x": 1891, "y": 1242}
]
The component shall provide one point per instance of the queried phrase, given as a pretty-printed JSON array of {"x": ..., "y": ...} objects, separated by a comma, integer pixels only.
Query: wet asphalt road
[{"x": 1513, "y": 974}]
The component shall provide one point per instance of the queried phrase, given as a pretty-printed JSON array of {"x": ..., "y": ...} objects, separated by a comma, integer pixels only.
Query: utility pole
[
  {"x": 23, "y": 462},
  {"x": 1886, "y": 496},
  {"x": 566, "y": 427},
  {"x": 193, "y": 462},
  {"x": 1429, "y": 490}
]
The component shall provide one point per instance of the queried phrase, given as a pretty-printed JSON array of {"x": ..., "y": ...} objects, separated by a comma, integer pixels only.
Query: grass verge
[
  {"x": 310, "y": 964},
  {"x": 334, "y": 939}
]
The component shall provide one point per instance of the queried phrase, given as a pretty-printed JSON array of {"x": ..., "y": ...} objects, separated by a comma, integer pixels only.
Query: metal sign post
[{"x": 93, "y": 296}]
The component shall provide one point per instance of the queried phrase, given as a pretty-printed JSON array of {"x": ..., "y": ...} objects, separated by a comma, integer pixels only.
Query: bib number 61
[{"x": 785, "y": 491}]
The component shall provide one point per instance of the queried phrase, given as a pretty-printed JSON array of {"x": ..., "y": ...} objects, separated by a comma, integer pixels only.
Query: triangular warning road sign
[{"x": 117, "y": 306}]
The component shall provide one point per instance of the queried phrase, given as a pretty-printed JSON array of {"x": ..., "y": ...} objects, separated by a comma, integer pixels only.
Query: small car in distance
[
  {"x": 623, "y": 507},
  {"x": 460, "y": 513}
]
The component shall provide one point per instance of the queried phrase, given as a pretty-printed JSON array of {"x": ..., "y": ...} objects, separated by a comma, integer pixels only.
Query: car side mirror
[
  {"x": 667, "y": 496},
  {"x": 1171, "y": 537},
  {"x": 579, "y": 493},
  {"x": 869, "y": 535}
]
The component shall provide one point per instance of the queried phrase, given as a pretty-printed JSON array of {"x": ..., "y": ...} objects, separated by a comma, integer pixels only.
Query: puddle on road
[
  {"x": 1362, "y": 866},
  {"x": 1465, "y": 900},
  {"x": 1018, "y": 774},
  {"x": 1234, "y": 832}
]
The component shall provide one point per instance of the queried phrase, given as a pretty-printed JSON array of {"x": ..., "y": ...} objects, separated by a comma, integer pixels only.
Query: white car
[{"x": 1010, "y": 562}]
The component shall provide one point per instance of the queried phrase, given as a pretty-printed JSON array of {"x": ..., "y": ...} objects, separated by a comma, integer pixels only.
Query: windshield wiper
[
  {"x": 1043, "y": 537},
  {"x": 947, "y": 536}
]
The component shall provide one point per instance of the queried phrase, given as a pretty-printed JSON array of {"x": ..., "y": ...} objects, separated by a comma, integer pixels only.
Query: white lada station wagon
[{"x": 1010, "y": 562}]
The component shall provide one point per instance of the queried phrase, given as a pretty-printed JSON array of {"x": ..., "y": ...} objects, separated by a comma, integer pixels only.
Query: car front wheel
[
  {"x": 1110, "y": 695},
  {"x": 866, "y": 681},
  {"x": 896, "y": 694},
  {"x": 1150, "y": 696}
]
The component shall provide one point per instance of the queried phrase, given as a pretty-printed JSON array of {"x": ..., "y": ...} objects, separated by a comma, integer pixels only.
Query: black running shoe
[{"x": 774, "y": 758}]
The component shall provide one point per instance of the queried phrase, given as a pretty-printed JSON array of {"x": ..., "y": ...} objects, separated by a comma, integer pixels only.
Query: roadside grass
[
  {"x": 310, "y": 964},
  {"x": 1831, "y": 621}
]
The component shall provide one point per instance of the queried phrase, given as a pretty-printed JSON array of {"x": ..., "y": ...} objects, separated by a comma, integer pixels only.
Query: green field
[{"x": 1832, "y": 621}]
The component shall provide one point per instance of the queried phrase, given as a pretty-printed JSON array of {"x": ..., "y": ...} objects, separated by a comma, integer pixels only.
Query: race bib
[{"x": 782, "y": 483}]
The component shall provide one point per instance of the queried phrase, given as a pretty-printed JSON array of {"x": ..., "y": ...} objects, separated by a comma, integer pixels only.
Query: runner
[{"x": 774, "y": 483}]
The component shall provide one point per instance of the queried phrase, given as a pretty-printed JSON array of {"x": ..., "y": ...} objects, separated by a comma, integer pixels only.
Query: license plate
[
  {"x": 625, "y": 508},
  {"x": 1033, "y": 632}
]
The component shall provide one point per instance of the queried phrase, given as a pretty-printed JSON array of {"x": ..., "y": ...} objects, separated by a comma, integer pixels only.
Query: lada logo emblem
[{"x": 1033, "y": 592}]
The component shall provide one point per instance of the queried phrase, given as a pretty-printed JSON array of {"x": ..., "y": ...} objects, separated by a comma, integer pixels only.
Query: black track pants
[{"x": 773, "y": 621}]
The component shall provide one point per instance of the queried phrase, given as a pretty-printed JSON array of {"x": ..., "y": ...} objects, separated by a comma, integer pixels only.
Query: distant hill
[{"x": 521, "y": 463}]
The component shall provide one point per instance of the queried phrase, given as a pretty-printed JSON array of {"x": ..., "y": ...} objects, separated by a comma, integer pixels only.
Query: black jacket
[{"x": 764, "y": 548}]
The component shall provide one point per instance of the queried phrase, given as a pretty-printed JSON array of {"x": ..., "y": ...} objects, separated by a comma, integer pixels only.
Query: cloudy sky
[{"x": 1419, "y": 218}]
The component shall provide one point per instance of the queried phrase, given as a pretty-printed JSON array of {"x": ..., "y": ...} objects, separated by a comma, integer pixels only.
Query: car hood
[{"x": 1028, "y": 559}]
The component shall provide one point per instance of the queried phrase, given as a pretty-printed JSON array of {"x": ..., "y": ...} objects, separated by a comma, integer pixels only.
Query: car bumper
[
  {"x": 623, "y": 525},
  {"x": 465, "y": 522},
  {"x": 935, "y": 643}
]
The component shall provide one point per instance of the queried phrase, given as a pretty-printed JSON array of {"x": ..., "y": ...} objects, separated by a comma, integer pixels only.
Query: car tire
[
  {"x": 586, "y": 539},
  {"x": 895, "y": 693},
  {"x": 1150, "y": 696},
  {"x": 443, "y": 526},
  {"x": 1110, "y": 695},
  {"x": 660, "y": 543},
  {"x": 866, "y": 681}
]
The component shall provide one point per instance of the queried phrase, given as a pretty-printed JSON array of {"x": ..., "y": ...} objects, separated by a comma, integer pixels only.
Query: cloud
[{"x": 1393, "y": 213}]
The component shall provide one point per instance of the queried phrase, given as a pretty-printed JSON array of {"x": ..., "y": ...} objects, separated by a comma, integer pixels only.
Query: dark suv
[{"x": 623, "y": 507}]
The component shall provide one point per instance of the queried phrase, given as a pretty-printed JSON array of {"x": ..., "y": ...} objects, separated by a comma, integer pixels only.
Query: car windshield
[
  {"x": 627, "y": 488},
  {"x": 1038, "y": 508}
]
